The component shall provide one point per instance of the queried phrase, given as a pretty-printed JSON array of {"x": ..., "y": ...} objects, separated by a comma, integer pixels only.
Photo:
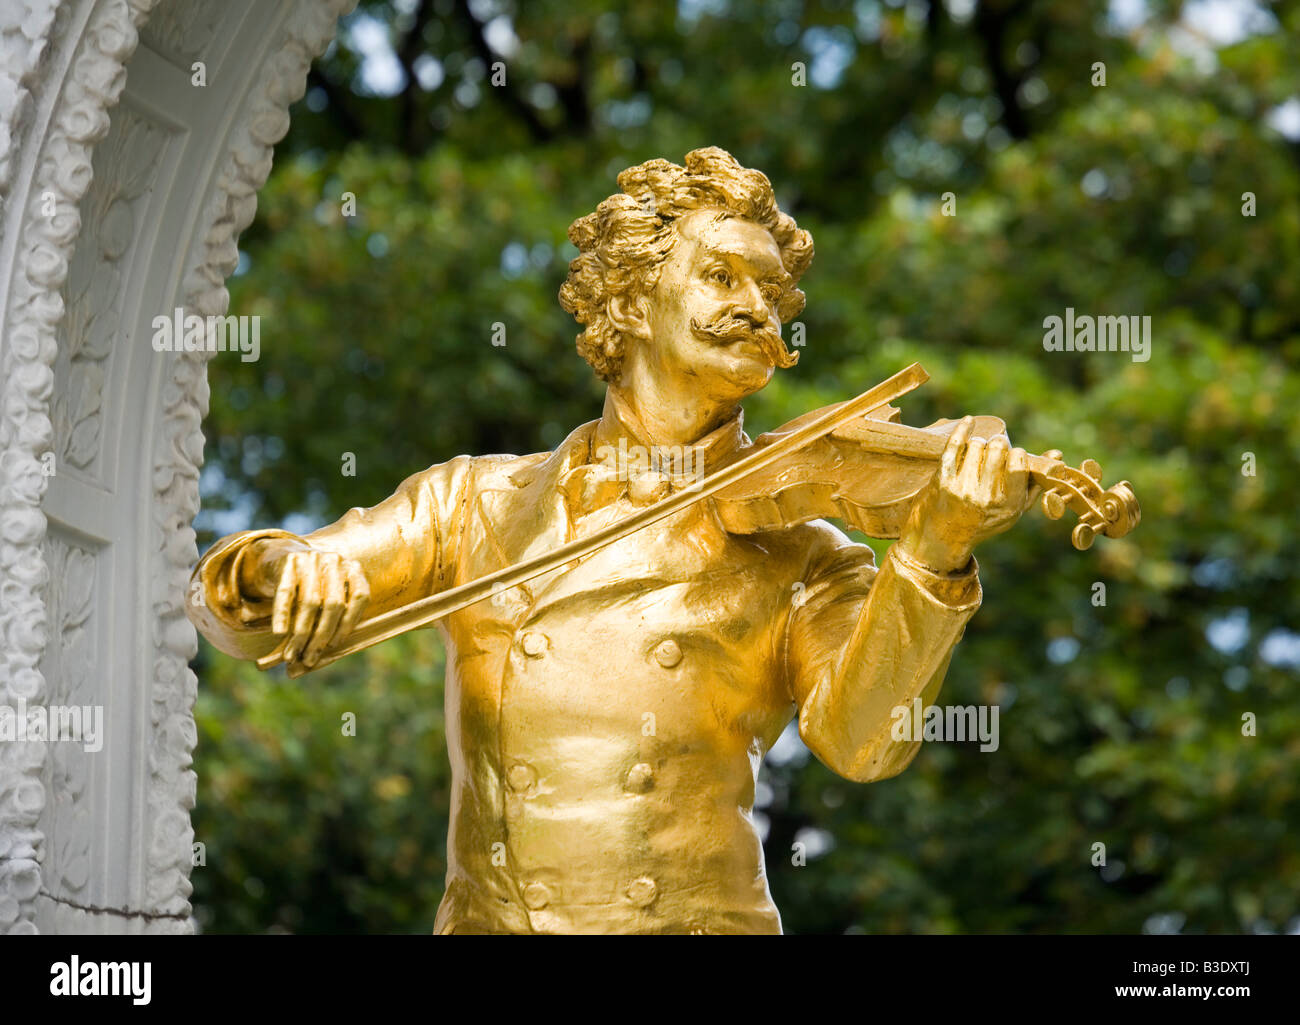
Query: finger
[
  {"x": 968, "y": 477},
  {"x": 284, "y": 595},
  {"x": 309, "y": 599},
  {"x": 994, "y": 470},
  {"x": 358, "y": 599},
  {"x": 955, "y": 451},
  {"x": 1020, "y": 477},
  {"x": 333, "y": 602}
]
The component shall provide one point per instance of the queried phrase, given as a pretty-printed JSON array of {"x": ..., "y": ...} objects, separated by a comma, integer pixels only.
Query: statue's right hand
[{"x": 319, "y": 596}]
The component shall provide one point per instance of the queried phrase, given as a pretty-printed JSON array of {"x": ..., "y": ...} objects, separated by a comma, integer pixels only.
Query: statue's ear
[{"x": 630, "y": 314}]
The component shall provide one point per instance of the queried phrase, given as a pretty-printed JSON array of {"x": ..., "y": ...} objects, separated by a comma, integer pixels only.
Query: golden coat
[{"x": 606, "y": 722}]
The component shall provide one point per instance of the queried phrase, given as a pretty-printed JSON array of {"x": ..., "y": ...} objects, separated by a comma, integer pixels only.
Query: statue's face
[{"x": 712, "y": 314}]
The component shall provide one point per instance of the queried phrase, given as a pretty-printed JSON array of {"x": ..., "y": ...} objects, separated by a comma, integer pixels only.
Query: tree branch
[
  {"x": 412, "y": 46},
  {"x": 991, "y": 24},
  {"x": 521, "y": 107}
]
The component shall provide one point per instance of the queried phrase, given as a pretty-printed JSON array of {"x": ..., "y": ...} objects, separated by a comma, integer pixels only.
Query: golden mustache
[{"x": 730, "y": 329}]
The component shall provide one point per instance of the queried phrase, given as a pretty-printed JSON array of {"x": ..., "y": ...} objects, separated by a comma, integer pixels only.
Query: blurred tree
[{"x": 1120, "y": 723}]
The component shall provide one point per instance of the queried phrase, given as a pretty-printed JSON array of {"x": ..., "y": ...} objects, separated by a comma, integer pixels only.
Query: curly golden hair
[{"x": 624, "y": 243}]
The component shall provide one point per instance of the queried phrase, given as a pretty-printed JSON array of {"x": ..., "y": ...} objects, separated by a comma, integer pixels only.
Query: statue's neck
[
  {"x": 715, "y": 436},
  {"x": 656, "y": 419}
]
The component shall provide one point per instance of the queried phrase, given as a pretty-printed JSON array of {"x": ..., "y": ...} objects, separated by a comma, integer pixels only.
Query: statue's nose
[{"x": 752, "y": 308}]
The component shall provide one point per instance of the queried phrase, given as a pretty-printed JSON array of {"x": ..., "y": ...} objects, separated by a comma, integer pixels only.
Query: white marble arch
[{"x": 123, "y": 189}]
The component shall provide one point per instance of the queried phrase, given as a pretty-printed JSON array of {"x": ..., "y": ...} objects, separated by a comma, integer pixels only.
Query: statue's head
[{"x": 691, "y": 268}]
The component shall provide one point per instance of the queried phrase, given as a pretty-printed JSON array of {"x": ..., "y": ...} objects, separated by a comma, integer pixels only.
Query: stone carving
[
  {"x": 181, "y": 30},
  {"x": 126, "y": 165},
  {"x": 25, "y": 34},
  {"x": 63, "y": 170},
  {"x": 66, "y": 869},
  {"x": 59, "y": 162}
]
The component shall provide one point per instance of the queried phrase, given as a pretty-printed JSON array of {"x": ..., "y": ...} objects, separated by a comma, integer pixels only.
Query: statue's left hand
[{"x": 980, "y": 490}]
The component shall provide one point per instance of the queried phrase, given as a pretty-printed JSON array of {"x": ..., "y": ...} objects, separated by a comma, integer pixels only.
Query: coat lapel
[{"x": 526, "y": 514}]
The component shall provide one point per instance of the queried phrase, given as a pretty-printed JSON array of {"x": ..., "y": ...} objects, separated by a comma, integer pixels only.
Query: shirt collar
[{"x": 618, "y": 422}]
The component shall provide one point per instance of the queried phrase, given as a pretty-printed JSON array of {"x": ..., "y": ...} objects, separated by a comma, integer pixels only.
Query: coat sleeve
[
  {"x": 407, "y": 546},
  {"x": 864, "y": 641}
]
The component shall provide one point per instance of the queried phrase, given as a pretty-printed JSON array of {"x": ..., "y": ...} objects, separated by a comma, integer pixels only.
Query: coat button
[
  {"x": 640, "y": 778},
  {"x": 642, "y": 892},
  {"x": 668, "y": 654},
  {"x": 533, "y": 643},
  {"x": 521, "y": 777},
  {"x": 536, "y": 896}
]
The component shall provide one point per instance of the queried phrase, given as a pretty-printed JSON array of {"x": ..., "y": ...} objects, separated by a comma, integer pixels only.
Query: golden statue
[{"x": 633, "y": 619}]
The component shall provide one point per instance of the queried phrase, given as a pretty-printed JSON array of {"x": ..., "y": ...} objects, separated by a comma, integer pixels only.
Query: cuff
[
  {"x": 959, "y": 590},
  {"x": 218, "y": 575}
]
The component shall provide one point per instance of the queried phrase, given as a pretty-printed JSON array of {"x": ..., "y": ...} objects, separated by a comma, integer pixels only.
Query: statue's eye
[{"x": 721, "y": 277}]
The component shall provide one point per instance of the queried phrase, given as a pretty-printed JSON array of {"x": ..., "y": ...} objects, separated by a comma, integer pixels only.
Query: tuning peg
[
  {"x": 1092, "y": 468},
  {"x": 1053, "y": 505}
]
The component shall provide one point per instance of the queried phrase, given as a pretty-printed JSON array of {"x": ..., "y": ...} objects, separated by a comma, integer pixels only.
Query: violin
[
  {"x": 870, "y": 470},
  {"x": 853, "y": 459}
]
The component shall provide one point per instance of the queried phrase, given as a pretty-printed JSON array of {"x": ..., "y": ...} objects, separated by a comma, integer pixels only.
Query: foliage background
[{"x": 1120, "y": 724}]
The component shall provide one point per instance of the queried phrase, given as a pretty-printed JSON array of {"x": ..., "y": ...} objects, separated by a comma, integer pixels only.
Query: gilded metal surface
[{"x": 607, "y": 716}]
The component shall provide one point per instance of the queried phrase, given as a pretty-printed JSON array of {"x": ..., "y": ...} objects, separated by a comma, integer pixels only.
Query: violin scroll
[{"x": 1112, "y": 512}]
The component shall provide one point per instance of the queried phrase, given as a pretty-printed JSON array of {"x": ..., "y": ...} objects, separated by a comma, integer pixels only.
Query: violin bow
[{"x": 426, "y": 611}]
